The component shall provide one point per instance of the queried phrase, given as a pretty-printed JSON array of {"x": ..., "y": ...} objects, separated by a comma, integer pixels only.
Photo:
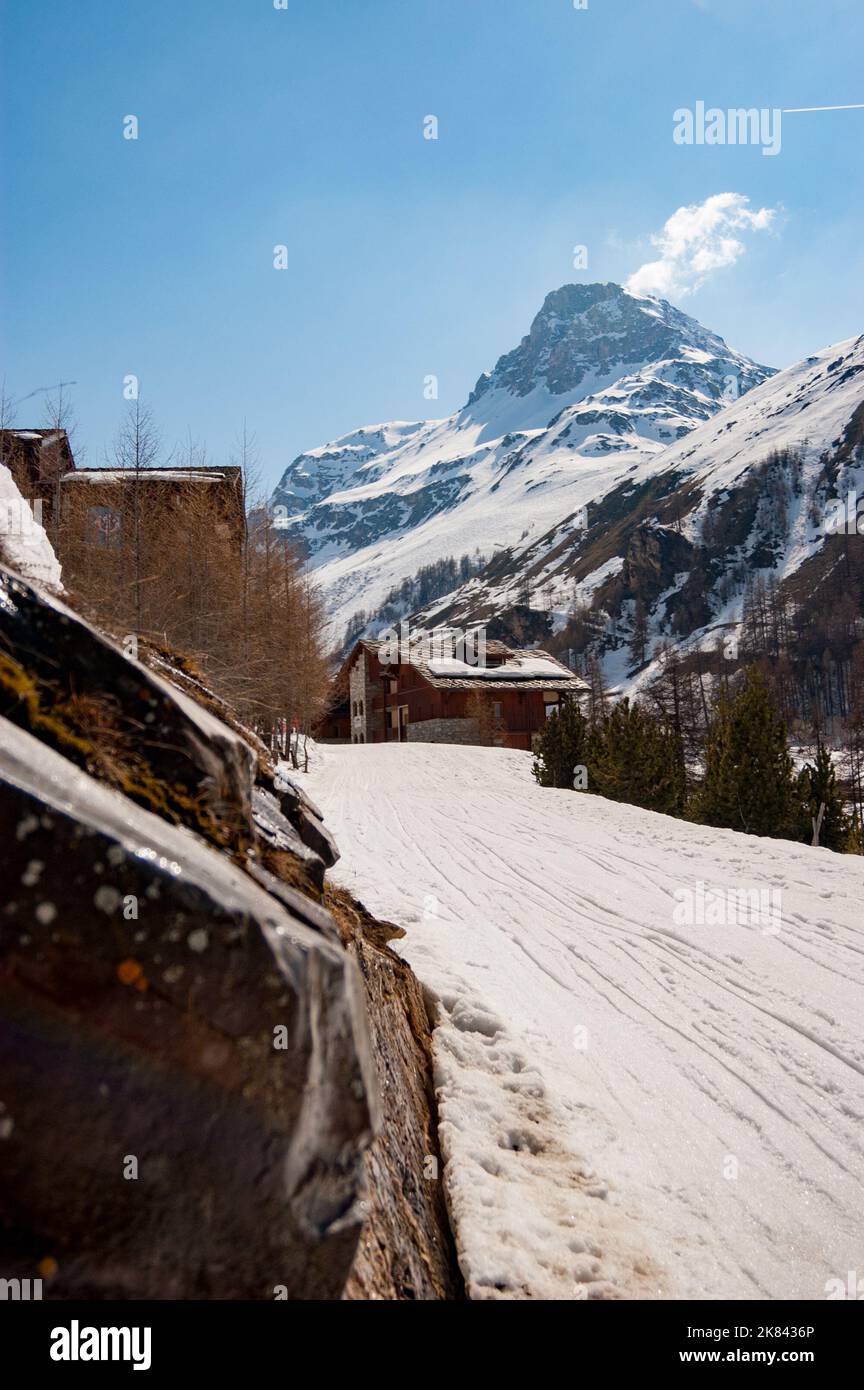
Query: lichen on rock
[{"x": 216, "y": 1076}]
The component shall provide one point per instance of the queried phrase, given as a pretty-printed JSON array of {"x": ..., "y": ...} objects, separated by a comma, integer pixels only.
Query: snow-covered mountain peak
[
  {"x": 595, "y": 333},
  {"x": 602, "y": 383}
]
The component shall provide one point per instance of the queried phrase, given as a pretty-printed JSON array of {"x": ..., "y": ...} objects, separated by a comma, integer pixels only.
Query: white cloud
[{"x": 696, "y": 241}]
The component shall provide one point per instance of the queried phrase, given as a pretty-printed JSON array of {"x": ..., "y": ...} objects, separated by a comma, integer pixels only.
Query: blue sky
[{"x": 406, "y": 257}]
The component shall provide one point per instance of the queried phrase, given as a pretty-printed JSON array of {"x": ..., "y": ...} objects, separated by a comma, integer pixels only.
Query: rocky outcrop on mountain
[
  {"x": 599, "y": 387},
  {"x": 652, "y": 559},
  {"x": 583, "y": 330},
  {"x": 194, "y": 1050}
]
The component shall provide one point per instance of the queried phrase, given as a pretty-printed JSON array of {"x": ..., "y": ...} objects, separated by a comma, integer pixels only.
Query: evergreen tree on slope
[
  {"x": 749, "y": 782},
  {"x": 637, "y": 759},
  {"x": 826, "y": 822},
  {"x": 562, "y": 747}
]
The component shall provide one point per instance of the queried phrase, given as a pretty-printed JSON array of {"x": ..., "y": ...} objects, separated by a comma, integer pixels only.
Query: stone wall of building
[
  {"x": 443, "y": 731},
  {"x": 362, "y": 692}
]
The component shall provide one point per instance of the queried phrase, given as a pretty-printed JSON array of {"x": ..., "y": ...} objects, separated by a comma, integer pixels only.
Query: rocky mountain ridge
[{"x": 599, "y": 387}]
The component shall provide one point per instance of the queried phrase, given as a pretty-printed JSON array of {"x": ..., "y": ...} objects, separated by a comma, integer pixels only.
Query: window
[
  {"x": 498, "y": 710},
  {"x": 361, "y": 707},
  {"x": 104, "y": 526}
]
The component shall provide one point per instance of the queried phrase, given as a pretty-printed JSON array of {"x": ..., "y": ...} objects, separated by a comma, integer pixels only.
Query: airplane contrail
[{"x": 795, "y": 110}]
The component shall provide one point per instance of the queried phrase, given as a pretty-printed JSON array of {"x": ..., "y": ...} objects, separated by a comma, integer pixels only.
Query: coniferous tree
[
  {"x": 638, "y": 759},
  {"x": 562, "y": 747},
  {"x": 749, "y": 782},
  {"x": 825, "y": 820}
]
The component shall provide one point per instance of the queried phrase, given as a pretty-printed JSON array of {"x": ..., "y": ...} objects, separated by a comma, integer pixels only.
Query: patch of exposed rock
[
  {"x": 185, "y": 1061},
  {"x": 211, "y": 1086},
  {"x": 406, "y": 1250}
]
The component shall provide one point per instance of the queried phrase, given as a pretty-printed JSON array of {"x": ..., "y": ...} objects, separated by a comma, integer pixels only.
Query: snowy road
[{"x": 630, "y": 1106}]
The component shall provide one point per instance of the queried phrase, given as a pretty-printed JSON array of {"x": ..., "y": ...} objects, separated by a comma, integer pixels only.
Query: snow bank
[{"x": 23, "y": 543}]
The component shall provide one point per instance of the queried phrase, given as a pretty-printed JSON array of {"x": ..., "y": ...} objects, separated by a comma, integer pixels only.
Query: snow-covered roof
[
  {"x": 42, "y": 437},
  {"x": 158, "y": 475},
  {"x": 522, "y": 666},
  {"x": 500, "y": 667}
]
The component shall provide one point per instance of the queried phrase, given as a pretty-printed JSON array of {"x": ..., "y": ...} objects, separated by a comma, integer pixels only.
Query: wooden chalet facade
[
  {"x": 96, "y": 503},
  {"x": 418, "y": 698},
  {"x": 90, "y": 506},
  {"x": 37, "y": 460}
]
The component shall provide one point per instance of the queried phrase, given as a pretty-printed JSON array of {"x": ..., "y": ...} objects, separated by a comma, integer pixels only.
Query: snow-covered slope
[
  {"x": 600, "y": 386},
  {"x": 631, "y": 1105},
  {"x": 24, "y": 545},
  {"x": 745, "y": 493}
]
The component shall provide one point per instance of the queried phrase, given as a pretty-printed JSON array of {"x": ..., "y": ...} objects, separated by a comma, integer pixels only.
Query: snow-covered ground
[{"x": 631, "y": 1105}]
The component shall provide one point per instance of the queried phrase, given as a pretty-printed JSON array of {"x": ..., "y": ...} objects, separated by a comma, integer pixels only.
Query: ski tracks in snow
[{"x": 629, "y": 1107}]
